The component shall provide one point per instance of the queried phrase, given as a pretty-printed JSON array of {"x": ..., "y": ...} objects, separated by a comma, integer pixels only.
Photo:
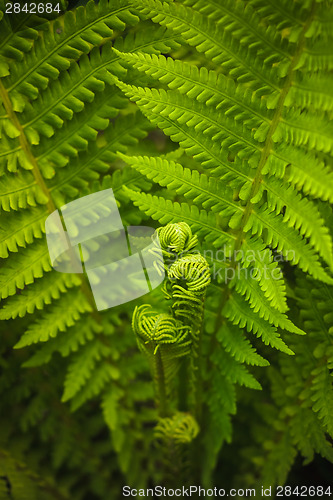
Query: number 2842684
[{"x": 32, "y": 8}]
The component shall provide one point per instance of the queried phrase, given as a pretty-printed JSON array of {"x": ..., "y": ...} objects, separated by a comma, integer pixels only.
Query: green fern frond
[
  {"x": 220, "y": 47},
  {"x": 82, "y": 366},
  {"x": 239, "y": 313},
  {"x": 66, "y": 343},
  {"x": 235, "y": 343},
  {"x": 204, "y": 120},
  {"x": 181, "y": 428},
  {"x": 43, "y": 293},
  {"x": 300, "y": 213},
  {"x": 202, "y": 190},
  {"x": 250, "y": 289},
  {"x": 165, "y": 211},
  {"x": 211, "y": 88},
  {"x": 28, "y": 227},
  {"x": 22, "y": 268},
  {"x": 20, "y": 191},
  {"x": 244, "y": 90},
  {"x": 322, "y": 394},
  {"x": 58, "y": 319},
  {"x": 286, "y": 241}
]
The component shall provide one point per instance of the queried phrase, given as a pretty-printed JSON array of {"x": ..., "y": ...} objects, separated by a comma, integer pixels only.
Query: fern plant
[{"x": 228, "y": 152}]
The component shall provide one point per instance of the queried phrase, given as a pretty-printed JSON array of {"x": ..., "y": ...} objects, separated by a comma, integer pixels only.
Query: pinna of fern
[{"x": 298, "y": 416}]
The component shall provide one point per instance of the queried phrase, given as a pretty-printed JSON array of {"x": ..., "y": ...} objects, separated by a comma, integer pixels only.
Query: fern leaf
[
  {"x": 206, "y": 191},
  {"x": 68, "y": 38},
  {"x": 250, "y": 289},
  {"x": 300, "y": 213},
  {"x": 28, "y": 226},
  {"x": 165, "y": 211},
  {"x": 67, "y": 182},
  {"x": 264, "y": 269},
  {"x": 322, "y": 396},
  {"x": 22, "y": 268},
  {"x": 80, "y": 369},
  {"x": 205, "y": 36},
  {"x": 60, "y": 318},
  {"x": 235, "y": 343},
  {"x": 286, "y": 241},
  {"x": 20, "y": 191},
  {"x": 237, "y": 311},
  {"x": 98, "y": 379},
  {"x": 212, "y": 88},
  {"x": 43, "y": 293},
  {"x": 83, "y": 331},
  {"x": 204, "y": 120}
]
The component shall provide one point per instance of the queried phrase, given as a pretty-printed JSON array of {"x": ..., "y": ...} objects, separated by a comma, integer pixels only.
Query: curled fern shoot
[
  {"x": 176, "y": 238},
  {"x": 176, "y": 435},
  {"x": 164, "y": 339},
  {"x": 180, "y": 428}
]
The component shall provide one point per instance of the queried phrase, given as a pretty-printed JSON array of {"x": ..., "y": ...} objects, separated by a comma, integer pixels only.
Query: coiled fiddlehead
[
  {"x": 181, "y": 428},
  {"x": 160, "y": 331},
  {"x": 164, "y": 339},
  {"x": 189, "y": 277},
  {"x": 176, "y": 238},
  {"x": 176, "y": 434}
]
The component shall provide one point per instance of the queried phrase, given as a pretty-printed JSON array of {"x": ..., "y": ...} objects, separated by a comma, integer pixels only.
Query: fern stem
[
  {"x": 183, "y": 377},
  {"x": 160, "y": 383},
  {"x": 199, "y": 367}
]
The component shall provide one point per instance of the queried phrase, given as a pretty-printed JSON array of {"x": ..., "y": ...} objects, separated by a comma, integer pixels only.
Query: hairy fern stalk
[{"x": 211, "y": 121}]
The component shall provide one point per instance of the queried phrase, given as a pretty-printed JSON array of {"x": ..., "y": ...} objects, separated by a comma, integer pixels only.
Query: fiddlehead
[
  {"x": 179, "y": 333},
  {"x": 188, "y": 280},
  {"x": 162, "y": 331},
  {"x": 189, "y": 277},
  {"x": 181, "y": 428},
  {"x": 176, "y": 238},
  {"x": 163, "y": 339},
  {"x": 176, "y": 434}
]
